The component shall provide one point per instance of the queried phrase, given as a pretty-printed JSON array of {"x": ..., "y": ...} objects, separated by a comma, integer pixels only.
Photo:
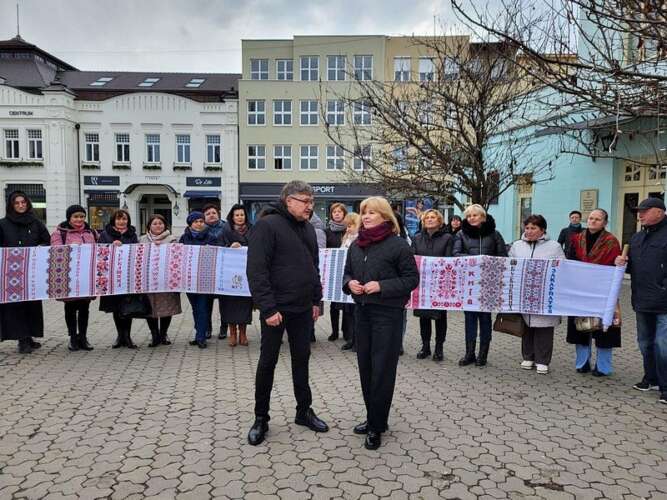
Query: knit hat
[
  {"x": 193, "y": 216},
  {"x": 74, "y": 209}
]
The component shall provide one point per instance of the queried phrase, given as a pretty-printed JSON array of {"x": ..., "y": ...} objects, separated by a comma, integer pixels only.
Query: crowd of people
[{"x": 380, "y": 274}]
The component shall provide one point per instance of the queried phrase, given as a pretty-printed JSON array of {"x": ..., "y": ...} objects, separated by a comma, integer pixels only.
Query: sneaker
[
  {"x": 663, "y": 398},
  {"x": 644, "y": 386},
  {"x": 542, "y": 369},
  {"x": 527, "y": 365}
]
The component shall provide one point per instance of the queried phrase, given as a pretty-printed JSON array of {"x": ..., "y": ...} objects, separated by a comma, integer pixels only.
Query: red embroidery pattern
[
  {"x": 103, "y": 269},
  {"x": 492, "y": 279},
  {"x": 206, "y": 269},
  {"x": 533, "y": 285},
  {"x": 175, "y": 266},
  {"x": 57, "y": 279},
  {"x": 14, "y": 274}
]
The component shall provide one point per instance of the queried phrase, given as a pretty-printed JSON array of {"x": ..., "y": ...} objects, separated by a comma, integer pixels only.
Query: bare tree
[{"x": 458, "y": 129}]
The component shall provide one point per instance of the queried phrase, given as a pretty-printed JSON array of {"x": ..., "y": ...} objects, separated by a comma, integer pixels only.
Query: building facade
[{"x": 148, "y": 142}]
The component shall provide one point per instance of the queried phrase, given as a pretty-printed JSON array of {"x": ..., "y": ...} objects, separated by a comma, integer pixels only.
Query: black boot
[
  {"x": 121, "y": 341},
  {"x": 73, "y": 342},
  {"x": 130, "y": 344},
  {"x": 24, "y": 346},
  {"x": 83, "y": 342},
  {"x": 33, "y": 343},
  {"x": 437, "y": 352},
  {"x": 483, "y": 354},
  {"x": 258, "y": 431},
  {"x": 155, "y": 339},
  {"x": 425, "y": 352},
  {"x": 469, "y": 357}
]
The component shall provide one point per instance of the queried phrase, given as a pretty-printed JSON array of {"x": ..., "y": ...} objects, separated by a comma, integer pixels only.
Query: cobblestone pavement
[{"x": 171, "y": 422}]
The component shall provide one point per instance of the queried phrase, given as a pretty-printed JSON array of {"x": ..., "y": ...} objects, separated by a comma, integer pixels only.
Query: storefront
[
  {"x": 256, "y": 196},
  {"x": 101, "y": 202},
  {"x": 37, "y": 195},
  {"x": 199, "y": 192}
]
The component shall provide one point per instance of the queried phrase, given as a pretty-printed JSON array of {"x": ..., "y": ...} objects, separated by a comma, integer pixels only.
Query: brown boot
[
  {"x": 243, "y": 340},
  {"x": 232, "y": 335}
]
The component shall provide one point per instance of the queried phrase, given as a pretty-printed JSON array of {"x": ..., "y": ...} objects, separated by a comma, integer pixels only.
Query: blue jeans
[
  {"x": 200, "y": 304},
  {"x": 484, "y": 320},
  {"x": 652, "y": 340}
]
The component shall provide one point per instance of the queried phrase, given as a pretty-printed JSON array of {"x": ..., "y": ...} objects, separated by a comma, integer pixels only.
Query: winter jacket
[
  {"x": 647, "y": 265},
  {"x": 283, "y": 263},
  {"x": 164, "y": 238},
  {"x": 233, "y": 236},
  {"x": 217, "y": 229},
  {"x": 111, "y": 234},
  {"x": 65, "y": 234},
  {"x": 391, "y": 263},
  {"x": 544, "y": 248},
  {"x": 439, "y": 244},
  {"x": 335, "y": 238},
  {"x": 24, "y": 230},
  {"x": 482, "y": 240},
  {"x": 205, "y": 237},
  {"x": 566, "y": 237}
]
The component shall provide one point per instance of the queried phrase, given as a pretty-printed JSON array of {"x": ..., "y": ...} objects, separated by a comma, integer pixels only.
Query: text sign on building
[
  {"x": 21, "y": 113},
  {"x": 588, "y": 201},
  {"x": 101, "y": 180},
  {"x": 203, "y": 181},
  {"x": 324, "y": 188}
]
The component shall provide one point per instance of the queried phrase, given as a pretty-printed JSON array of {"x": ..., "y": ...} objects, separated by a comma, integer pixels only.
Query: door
[
  {"x": 636, "y": 183},
  {"x": 151, "y": 204}
]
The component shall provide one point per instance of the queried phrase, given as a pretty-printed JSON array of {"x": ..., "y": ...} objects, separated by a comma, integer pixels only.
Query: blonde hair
[
  {"x": 339, "y": 206},
  {"x": 352, "y": 219},
  {"x": 474, "y": 209},
  {"x": 381, "y": 205},
  {"x": 439, "y": 216}
]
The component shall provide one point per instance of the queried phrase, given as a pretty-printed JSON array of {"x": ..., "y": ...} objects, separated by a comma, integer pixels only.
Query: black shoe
[
  {"x": 645, "y": 385},
  {"x": 333, "y": 337},
  {"x": 73, "y": 343},
  {"x": 373, "y": 440},
  {"x": 130, "y": 344},
  {"x": 469, "y": 357},
  {"x": 483, "y": 354},
  {"x": 120, "y": 341},
  {"x": 663, "y": 398},
  {"x": 312, "y": 421},
  {"x": 598, "y": 373},
  {"x": 155, "y": 339},
  {"x": 33, "y": 343},
  {"x": 424, "y": 353},
  {"x": 362, "y": 428},
  {"x": 84, "y": 344},
  {"x": 209, "y": 335},
  {"x": 258, "y": 431},
  {"x": 164, "y": 339},
  {"x": 438, "y": 355},
  {"x": 24, "y": 347},
  {"x": 202, "y": 344},
  {"x": 346, "y": 346},
  {"x": 222, "y": 335},
  {"x": 585, "y": 369}
]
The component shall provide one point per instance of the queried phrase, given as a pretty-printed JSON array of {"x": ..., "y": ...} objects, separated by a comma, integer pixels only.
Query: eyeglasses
[{"x": 308, "y": 201}]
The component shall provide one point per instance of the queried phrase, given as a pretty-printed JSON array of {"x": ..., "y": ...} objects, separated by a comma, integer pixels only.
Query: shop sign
[
  {"x": 203, "y": 181},
  {"x": 588, "y": 201},
  {"x": 101, "y": 180}
]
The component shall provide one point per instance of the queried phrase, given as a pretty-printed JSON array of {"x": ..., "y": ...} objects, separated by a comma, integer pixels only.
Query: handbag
[
  {"x": 135, "y": 306},
  {"x": 587, "y": 324},
  {"x": 510, "y": 323}
]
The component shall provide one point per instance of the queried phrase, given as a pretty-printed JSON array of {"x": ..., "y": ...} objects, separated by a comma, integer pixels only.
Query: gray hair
[{"x": 295, "y": 187}]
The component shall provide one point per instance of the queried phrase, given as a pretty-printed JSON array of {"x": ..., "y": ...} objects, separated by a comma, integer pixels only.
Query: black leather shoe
[
  {"x": 258, "y": 431},
  {"x": 130, "y": 344},
  {"x": 73, "y": 344},
  {"x": 438, "y": 356},
  {"x": 201, "y": 344},
  {"x": 333, "y": 337},
  {"x": 585, "y": 369},
  {"x": 83, "y": 343},
  {"x": 362, "y": 428},
  {"x": 310, "y": 420},
  {"x": 24, "y": 347},
  {"x": 222, "y": 335},
  {"x": 33, "y": 343},
  {"x": 597, "y": 373},
  {"x": 193, "y": 342},
  {"x": 120, "y": 341},
  {"x": 346, "y": 346},
  {"x": 424, "y": 353},
  {"x": 373, "y": 440}
]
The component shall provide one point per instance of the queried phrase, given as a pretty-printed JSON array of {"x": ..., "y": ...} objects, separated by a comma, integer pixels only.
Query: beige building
[{"x": 287, "y": 93}]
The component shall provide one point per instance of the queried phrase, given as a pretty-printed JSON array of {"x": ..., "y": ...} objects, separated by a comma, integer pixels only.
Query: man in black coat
[
  {"x": 284, "y": 279},
  {"x": 647, "y": 263}
]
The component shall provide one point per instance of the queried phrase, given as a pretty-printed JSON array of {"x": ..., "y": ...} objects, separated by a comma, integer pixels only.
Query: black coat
[
  {"x": 233, "y": 236},
  {"x": 111, "y": 303},
  {"x": 237, "y": 310},
  {"x": 22, "y": 319},
  {"x": 206, "y": 237},
  {"x": 334, "y": 238},
  {"x": 283, "y": 263},
  {"x": 565, "y": 237},
  {"x": 482, "y": 240},
  {"x": 647, "y": 265},
  {"x": 389, "y": 262},
  {"x": 439, "y": 244}
]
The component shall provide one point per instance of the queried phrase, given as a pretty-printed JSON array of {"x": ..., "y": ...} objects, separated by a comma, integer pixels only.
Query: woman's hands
[{"x": 359, "y": 289}]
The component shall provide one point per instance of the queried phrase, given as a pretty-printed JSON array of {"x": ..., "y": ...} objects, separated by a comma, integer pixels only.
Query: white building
[{"x": 149, "y": 142}]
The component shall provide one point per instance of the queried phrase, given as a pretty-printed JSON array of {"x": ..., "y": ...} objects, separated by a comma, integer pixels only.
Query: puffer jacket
[
  {"x": 65, "y": 234},
  {"x": 647, "y": 265},
  {"x": 544, "y": 248},
  {"x": 482, "y": 240},
  {"x": 438, "y": 244}
]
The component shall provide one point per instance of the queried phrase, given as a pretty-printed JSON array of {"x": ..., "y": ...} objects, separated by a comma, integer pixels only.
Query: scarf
[
  {"x": 242, "y": 230},
  {"x": 375, "y": 234},
  {"x": 337, "y": 227},
  {"x": 603, "y": 251},
  {"x": 159, "y": 237},
  {"x": 575, "y": 227},
  {"x": 24, "y": 219}
]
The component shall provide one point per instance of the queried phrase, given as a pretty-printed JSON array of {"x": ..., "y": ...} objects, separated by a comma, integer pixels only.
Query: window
[
  {"x": 282, "y": 157},
  {"x": 35, "y": 144},
  {"x": 102, "y": 81},
  {"x": 259, "y": 69},
  {"x": 309, "y": 157},
  {"x": 335, "y": 112},
  {"x": 284, "y": 69},
  {"x": 195, "y": 83},
  {"x": 425, "y": 113},
  {"x": 123, "y": 148},
  {"x": 256, "y": 113},
  {"x": 498, "y": 69},
  {"x": 400, "y": 156},
  {"x": 148, "y": 82},
  {"x": 425, "y": 69},
  {"x": 282, "y": 112},
  {"x": 183, "y": 148},
  {"x": 363, "y": 67},
  {"x": 362, "y": 113},
  {"x": 213, "y": 149},
  {"x": 401, "y": 69},
  {"x": 335, "y": 157},
  {"x": 362, "y": 155},
  {"x": 152, "y": 148},
  {"x": 336, "y": 68},
  {"x": 92, "y": 147},
  {"x": 256, "y": 156},
  {"x": 450, "y": 116},
  {"x": 12, "y": 144},
  {"x": 309, "y": 114},
  {"x": 450, "y": 68},
  {"x": 310, "y": 68}
]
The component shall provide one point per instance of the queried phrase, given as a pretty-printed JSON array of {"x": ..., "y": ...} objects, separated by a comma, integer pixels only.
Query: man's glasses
[{"x": 308, "y": 201}]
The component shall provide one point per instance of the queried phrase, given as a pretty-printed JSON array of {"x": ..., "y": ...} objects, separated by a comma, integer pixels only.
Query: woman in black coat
[
  {"x": 119, "y": 231},
  {"x": 432, "y": 241},
  {"x": 237, "y": 311},
  {"x": 380, "y": 273},
  {"x": 478, "y": 236},
  {"x": 334, "y": 232},
  {"x": 22, "y": 321}
]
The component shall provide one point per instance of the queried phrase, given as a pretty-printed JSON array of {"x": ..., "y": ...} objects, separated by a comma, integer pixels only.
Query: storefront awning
[
  {"x": 132, "y": 187},
  {"x": 201, "y": 194}
]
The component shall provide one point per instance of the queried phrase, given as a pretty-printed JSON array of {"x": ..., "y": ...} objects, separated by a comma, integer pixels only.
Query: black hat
[
  {"x": 650, "y": 203},
  {"x": 74, "y": 209}
]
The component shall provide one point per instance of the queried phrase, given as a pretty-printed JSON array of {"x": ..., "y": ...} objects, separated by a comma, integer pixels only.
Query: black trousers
[
  {"x": 223, "y": 325},
  {"x": 77, "y": 313},
  {"x": 348, "y": 323},
  {"x": 378, "y": 332},
  {"x": 159, "y": 325},
  {"x": 440, "y": 330},
  {"x": 123, "y": 324},
  {"x": 298, "y": 326},
  {"x": 537, "y": 344}
]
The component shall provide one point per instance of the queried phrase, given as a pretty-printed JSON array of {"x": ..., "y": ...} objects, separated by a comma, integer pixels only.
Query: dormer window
[
  {"x": 195, "y": 83},
  {"x": 148, "y": 82},
  {"x": 102, "y": 81}
]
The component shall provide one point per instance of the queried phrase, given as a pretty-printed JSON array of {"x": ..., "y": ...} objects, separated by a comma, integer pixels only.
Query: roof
[
  {"x": 19, "y": 44},
  {"x": 600, "y": 123}
]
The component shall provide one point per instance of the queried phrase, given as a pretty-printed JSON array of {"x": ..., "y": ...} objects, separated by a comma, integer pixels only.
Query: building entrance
[
  {"x": 150, "y": 204},
  {"x": 636, "y": 183}
]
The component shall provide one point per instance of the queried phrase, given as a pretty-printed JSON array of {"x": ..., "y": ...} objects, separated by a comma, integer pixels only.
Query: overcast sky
[{"x": 200, "y": 35}]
